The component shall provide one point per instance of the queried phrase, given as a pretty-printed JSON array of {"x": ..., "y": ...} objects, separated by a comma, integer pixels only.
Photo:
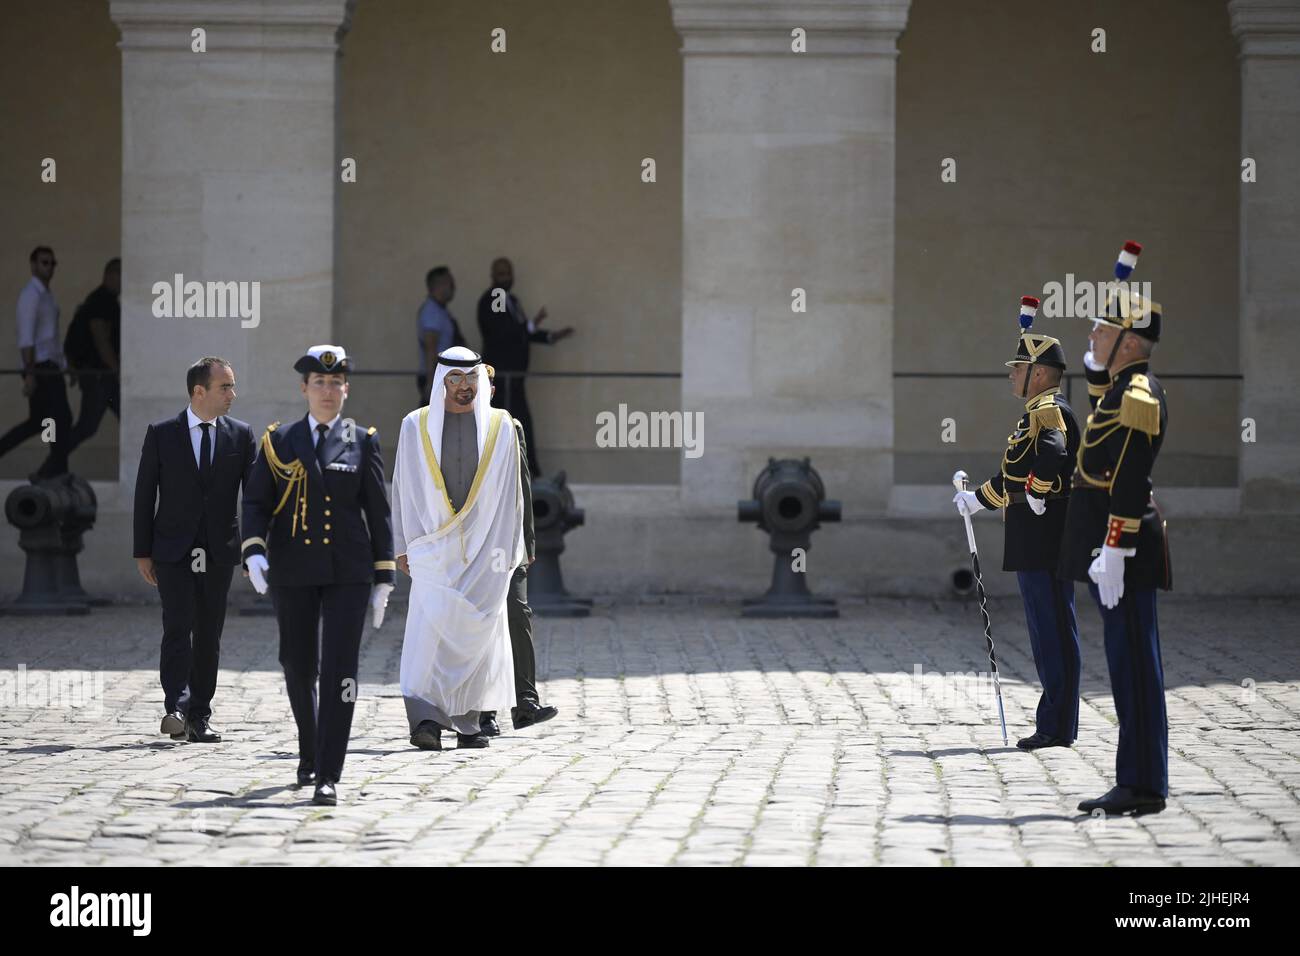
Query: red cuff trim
[{"x": 1118, "y": 528}]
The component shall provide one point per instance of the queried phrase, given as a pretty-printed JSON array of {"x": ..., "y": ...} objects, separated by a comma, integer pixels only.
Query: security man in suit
[
  {"x": 528, "y": 709},
  {"x": 507, "y": 334},
  {"x": 187, "y": 538},
  {"x": 317, "y": 531},
  {"x": 1115, "y": 536},
  {"x": 1032, "y": 486}
]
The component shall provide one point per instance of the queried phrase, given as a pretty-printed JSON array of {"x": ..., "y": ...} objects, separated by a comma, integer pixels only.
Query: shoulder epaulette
[
  {"x": 1046, "y": 414},
  {"x": 371, "y": 430},
  {"x": 273, "y": 426},
  {"x": 1138, "y": 408}
]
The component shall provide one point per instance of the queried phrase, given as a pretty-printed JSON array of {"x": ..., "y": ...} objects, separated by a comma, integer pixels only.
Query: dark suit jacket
[
  {"x": 526, "y": 485},
  {"x": 505, "y": 337},
  {"x": 170, "y": 504}
]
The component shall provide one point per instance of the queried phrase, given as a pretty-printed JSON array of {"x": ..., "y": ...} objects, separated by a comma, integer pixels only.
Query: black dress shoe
[
  {"x": 1037, "y": 741},
  {"x": 173, "y": 725},
  {"x": 427, "y": 736},
  {"x": 306, "y": 775},
  {"x": 487, "y": 724},
  {"x": 199, "y": 731},
  {"x": 471, "y": 741},
  {"x": 531, "y": 713},
  {"x": 325, "y": 795},
  {"x": 1120, "y": 800}
]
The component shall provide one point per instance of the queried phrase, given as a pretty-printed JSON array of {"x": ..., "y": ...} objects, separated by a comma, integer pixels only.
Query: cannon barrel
[
  {"x": 553, "y": 507},
  {"x": 51, "y": 517},
  {"x": 30, "y": 506},
  {"x": 789, "y": 503},
  {"x": 554, "y": 514}
]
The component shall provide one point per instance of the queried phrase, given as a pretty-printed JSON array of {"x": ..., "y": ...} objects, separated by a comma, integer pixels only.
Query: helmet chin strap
[
  {"x": 1114, "y": 349},
  {"x": 1029, "y": 373}
]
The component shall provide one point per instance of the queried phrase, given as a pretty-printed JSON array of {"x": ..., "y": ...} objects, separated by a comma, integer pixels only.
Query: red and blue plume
[
  {"x": 1028, "y": 309},
  {"x": 1128, "y": 258}
]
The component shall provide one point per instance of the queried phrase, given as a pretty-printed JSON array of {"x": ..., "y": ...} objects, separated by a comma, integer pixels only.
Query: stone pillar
[
  {"x": 1269, "y": 34},
  {"x": 789, "y": 184},
  {"x": 229, "y": 172}
]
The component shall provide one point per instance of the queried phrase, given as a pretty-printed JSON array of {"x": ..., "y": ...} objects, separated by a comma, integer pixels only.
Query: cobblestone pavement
[{"x": 686, "y": 736}]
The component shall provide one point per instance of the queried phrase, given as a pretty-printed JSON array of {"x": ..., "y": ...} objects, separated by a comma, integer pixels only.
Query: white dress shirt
[
  {"x": 196, "y": 436},
  {"x": 315, "y": 435},
  {"x": 38, "y": 323}
]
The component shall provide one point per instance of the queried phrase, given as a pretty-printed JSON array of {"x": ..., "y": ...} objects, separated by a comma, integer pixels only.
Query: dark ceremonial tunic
[
  {"x": 319, "y": 517},
  {"x": 1037, "y": 461},
  {"x": 1112, "y": 501}
]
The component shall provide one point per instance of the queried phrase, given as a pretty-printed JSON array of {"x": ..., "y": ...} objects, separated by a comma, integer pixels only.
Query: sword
[{"x": 959, "y": 482}]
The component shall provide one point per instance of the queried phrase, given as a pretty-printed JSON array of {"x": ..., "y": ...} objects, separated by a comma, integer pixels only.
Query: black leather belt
[
  {"x": 1085, "y": 483},
  {"x": 1018, "y": 497}
]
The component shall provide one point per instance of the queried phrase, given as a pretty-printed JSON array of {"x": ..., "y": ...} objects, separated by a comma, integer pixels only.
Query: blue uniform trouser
[
  {"x": 1054, "y": 638},
  {"x": 320, "y": 638},
  {"x": 1137, "y": 680}
]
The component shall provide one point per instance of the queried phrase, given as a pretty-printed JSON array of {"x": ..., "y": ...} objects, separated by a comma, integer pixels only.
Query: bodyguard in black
[
  {"x": 92, "y": 347},
  {"x": 191, "y": 469},
  {"x": 317, "y": 531},
  {"x": 1115, "y": 536},
  {"x": 528, "y": 709},
  {"x": 1032, "y": 486},
  {"x": 507, "y": 334}
]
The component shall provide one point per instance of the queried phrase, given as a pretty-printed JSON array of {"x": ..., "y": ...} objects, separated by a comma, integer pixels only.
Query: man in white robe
[{"x": 458, "y": 532}]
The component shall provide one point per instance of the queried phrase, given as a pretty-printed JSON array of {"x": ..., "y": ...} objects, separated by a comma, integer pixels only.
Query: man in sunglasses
[
  {"x": 458, "y": 531},
  {"x": 43, "y": 364}
]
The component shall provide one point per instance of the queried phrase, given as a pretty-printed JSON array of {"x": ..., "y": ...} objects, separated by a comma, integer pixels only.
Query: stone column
[
  {"x": 1269, "y": 34},
  {"x": 789, "y": 184},
  {"x": 229, "y": 172}
]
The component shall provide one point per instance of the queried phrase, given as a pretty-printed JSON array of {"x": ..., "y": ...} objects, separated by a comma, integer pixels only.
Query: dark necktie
[
  {"x": 322, "y": 431},
  {"x": 205, "y": 454}
]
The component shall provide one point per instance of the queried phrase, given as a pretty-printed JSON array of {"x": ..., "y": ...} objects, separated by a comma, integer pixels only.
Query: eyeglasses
[{"x": 460, "y": 379}]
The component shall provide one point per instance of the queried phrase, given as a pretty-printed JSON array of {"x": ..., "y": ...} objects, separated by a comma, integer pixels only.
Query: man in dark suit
[
  {"x": 319, "y": 534},
  {"x": 528, "y": 709},
  {"x": 187, "y": 538},
  {"x": 507, "y": 332}
]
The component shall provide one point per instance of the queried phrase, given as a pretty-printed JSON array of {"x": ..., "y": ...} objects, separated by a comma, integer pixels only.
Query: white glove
[
  {"x": 257, "y": 568},
  {"x": 378, "y": 602},
  {"x": 1107, "y": 572},
  {"x": 1091, "y": 363},
  {"x": 967, "y": 503},
  {"x": 1037, "y": 505}
]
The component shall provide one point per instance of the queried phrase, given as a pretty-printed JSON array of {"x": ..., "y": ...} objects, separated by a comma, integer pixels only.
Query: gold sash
[{"x": 435, "y": 472}]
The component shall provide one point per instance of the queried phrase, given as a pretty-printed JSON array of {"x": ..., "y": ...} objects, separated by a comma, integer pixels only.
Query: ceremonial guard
[
  {"x": 1032, "y": 489},
  {"x": 317, "y": 530},
  {"x": 1115, "y": 537}
]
